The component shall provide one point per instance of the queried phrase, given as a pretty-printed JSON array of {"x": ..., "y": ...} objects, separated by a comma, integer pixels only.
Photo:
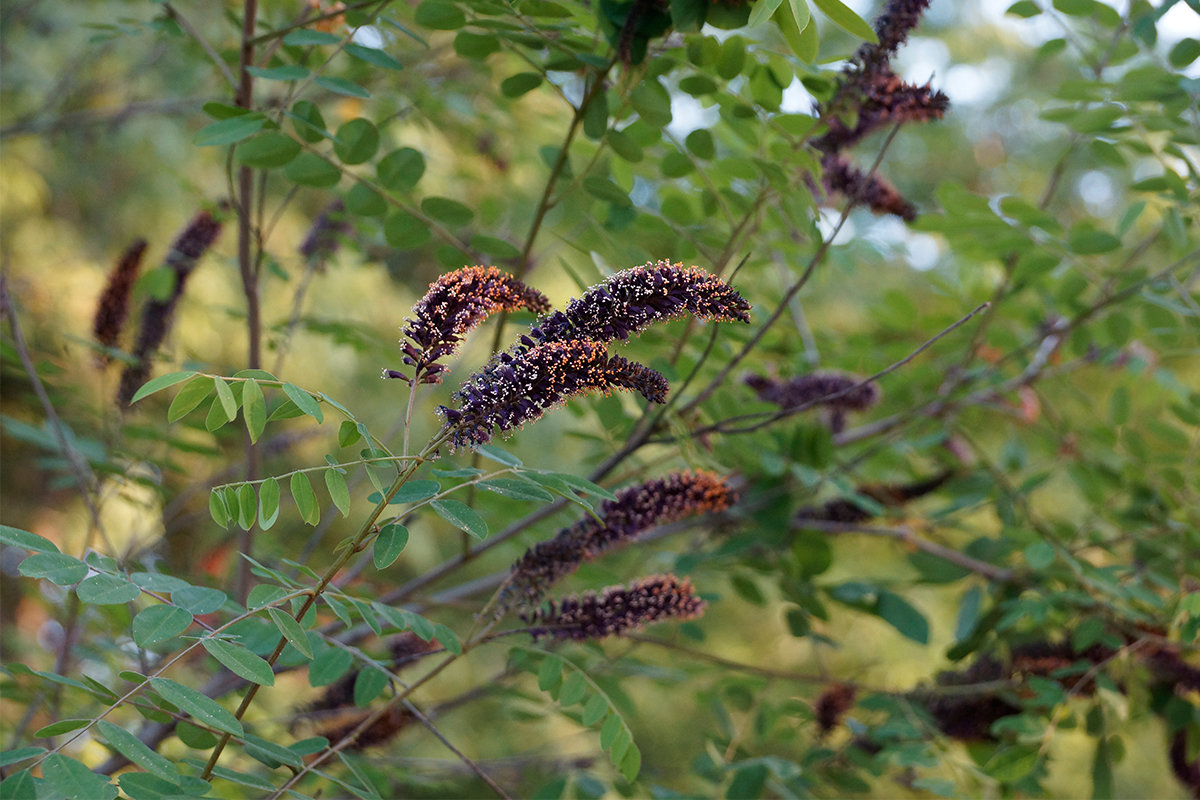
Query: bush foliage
[{"x": 894, "y": 493}]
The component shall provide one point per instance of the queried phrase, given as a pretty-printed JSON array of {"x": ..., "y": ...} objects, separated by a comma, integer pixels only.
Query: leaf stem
[{"x": 366, "y": 532}]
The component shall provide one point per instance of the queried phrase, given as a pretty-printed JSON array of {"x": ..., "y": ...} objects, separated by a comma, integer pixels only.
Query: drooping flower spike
[
  {"x": 158, "y": 314},
  {"x": 837, "y": 393},
  {"x": 526, "y": 386},
  {"x": 618, "y": 610},
  {"x": 876, "y": 193},
  {"x": 816, "y": 388},
  {"x": 456, "y": 304},
  {"x": 892, "y": 27},
  {"x": 871, "y": 95},
  {"x": 325, "y": 235},
  {"x": 113, "y": 309},
  {"x": 634, "y": 511},
  {"x": 632, "y": 300}
]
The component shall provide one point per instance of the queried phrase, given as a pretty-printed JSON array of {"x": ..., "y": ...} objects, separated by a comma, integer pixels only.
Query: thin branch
[
  {"x": 719, "y": 427},
  {"x": 99, "y": 116},
  {"x": 247, "y": 267},
  {"x": 483, "y": 776},
  {"x": 211, "y": 51},
  {"x": 909, "y": 537},
  {"x": 279, "y": 33},
  {"x": 85, "y": 479},
  {"x": 782, "y": 306},
  {"x": 946, "y": 404}
]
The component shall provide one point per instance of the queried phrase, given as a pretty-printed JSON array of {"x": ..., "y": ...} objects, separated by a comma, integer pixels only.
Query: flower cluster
[
  {"x": 634, "y": 511},
  {"x": 394, "y": 720},
  {"x": 456, "y": 304},
  {"x": 113, "y": 308},
  {"x": 563, "y": 354},
  {"x": 525, "y": 387},
  {"x": 969, "y": 716},
  {"x": 192, "y": 243},
  {"x": 618, "y": 610},
  {"x": 872, "y": 95},
  {"x": 892, "y": 27},
  {"x": 339, "y": 695},
  {"x": 883, "y": 99}
]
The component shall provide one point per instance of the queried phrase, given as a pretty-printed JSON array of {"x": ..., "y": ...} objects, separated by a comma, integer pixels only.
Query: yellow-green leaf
[{"x": 254, "y": 409}]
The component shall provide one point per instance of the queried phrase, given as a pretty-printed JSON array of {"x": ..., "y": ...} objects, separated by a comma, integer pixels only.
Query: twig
[
  {"x": 782, "y": 306},
  {"x": 85, "y": 479},
  {"x": 99, "y": 116},
  {"x": 483, "y": 776},
  {"x": 212, "y": 53},
  {"x": 248, "y": 268},
  {"x": 909, "y": 537}
]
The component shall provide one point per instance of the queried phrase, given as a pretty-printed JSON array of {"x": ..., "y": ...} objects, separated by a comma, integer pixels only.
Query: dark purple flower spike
[
  {"x": 837, "y": 393},
  {"x": 873, "y": 96},
  {"x": 158, "y": 314},
  {"x": 816, "y": 388},
  {"x": 876, "y": 193},
  {"x": 618, "y": 610},
  {"x": 632, "y": 300},
  {"x": 456, "y": 304},
  {"x": 524, "y": 387},
  {"x": 113, "y": 309},
  {"x": 634, "y": 511}
]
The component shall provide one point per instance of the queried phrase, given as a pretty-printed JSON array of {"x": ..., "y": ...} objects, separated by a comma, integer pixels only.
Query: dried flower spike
[
  {"x": 634, "y": 511},
  {"x": 524, "y": 387},
  {"x": 880, "y": 99},
  {"x": 872, "y": 95},
  {"x": 832, "y": 705},
  {"x": 456, "y": 304},
  {"x": 876, "y": 193},
  {"x": 618, "y": 610},
  {"x": 339, "y": 695},
  {"x": 816, "y": 388},
  {"x": 633, "y": 299},
  {"x": 113, "y": 308},
  {"x": 393, "y": 722},
  {"x": 892, "y": 27},
  {"x": 157, "y": 315}
]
